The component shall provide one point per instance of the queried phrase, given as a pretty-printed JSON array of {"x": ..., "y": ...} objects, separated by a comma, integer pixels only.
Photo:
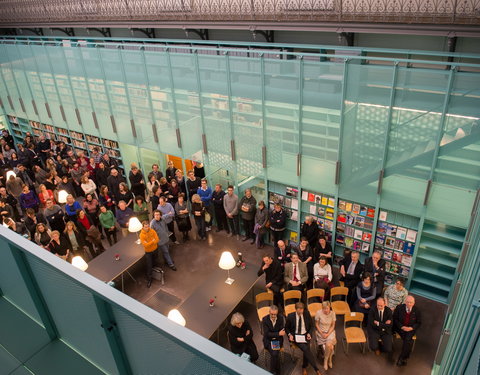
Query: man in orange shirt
[{"x": 149, "y": 239}]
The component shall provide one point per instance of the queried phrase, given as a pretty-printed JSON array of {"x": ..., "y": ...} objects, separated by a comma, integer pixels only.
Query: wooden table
[
  {"x": 104, "y": 267},
  {"x": 205, "y": 320}
]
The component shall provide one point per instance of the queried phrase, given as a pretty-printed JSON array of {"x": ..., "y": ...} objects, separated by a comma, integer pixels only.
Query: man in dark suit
[
  {"x": 299, "y": 328},
  {"x": 273, "y": 277},
  {"x": 350, "y": 270},
  {"x": 296, "y": 274},
  {"x": 282, "y": 252},
  {"x": 375, "y": 265},
  {"x": 406, "y": 320},
  {"x": 380, "y": 323},
  {"x": 273, "y": 326}
]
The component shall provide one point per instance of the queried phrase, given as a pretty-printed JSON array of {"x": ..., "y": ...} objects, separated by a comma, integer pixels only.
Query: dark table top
[
  {"x": 106, "y": 268},
  {"x": 203, "y": 319}
]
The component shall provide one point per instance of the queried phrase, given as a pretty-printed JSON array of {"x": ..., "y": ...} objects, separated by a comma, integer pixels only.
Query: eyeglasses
[{"x": 273, "y": 315}]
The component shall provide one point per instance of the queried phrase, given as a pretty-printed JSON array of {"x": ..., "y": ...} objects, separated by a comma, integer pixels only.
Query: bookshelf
[
  {"x": 396, "y": 239},
  {"x": 76, "y": 140},
  {"x": 436, "y": 261},
  {"x": 287, "y": 196},
  {"x": 321, "y": 207},
  {"x": 354, "y": 227}
]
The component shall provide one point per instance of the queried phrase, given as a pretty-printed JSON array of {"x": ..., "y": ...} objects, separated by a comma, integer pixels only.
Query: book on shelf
[
  {"x": 363, "y": 210},
  {"x": 291, "y": 191},
  {"x": 357, "y": 245},
  {"x": 389, "y": 242},
  {"x": 382, "y": 216},
  {"x": 411, "y": 235},
  {"x": 341, "y": 218},
  {"x": 349, "y": 242},
  {"x": 294, "y": 203},
  {"x": 328, "y": 225},
  {"x": 350, "y": 219},
  {"x": 341, "y": 205},
  {"x": 405, "y": 271},
  {"x": 408, "y": 247},
  {"x": 348, "y": 207},
  {"x": 358, "y": 234},
  {"x": 371, "y": 212},
  {"x": 401, "y": 233},
  {"x": 293, "y": 236},
  {"x": 340, "y": 239},
  {"x": 318, "y": 199},
  {"x": 382, "y": 227},
  {"x": 365, "y": 247},
  {"x": 349, "y": 231},
  {"x": 311, "y": 197},
  {"x": 356, "y": 208},
  {"x": 331, "y": 202},
  {"x": 341, "y": 228},
  {"x": 407, "y": 260},
  {"x": 380, "y": 239},
  {"x": 368, "y": 223},
  {"x": 388, "y": 254},
  {"x": 397, "y": 257},
  {"x": 389, "y": 279},
  {"x": 288, "y": 202},
  {"x": 304, "y": 195},
  {"x": 321, "y": 223},
  {"x": 366, "y": 237},
  {"x": 399, "y": 244},
  {"x": 359, "y": 221},
  {"x": 329, "y": 213},
  {"x": 313, "y": 209},
  {"x": 324, "y": 200},
  {"x": 321, "y": 211},
  {"x": 391, "y": 230},
  {"x": 294, "y": 215}
]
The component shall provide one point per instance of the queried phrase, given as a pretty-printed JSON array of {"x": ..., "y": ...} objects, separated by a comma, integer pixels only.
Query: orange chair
[
  {"x": 289, "y": 295},
  {"x": 262, "y": 310},
  {"x": 354, "y": 334},
  {"x": 340, "y": 307},
  {"x": 313, "y": 294}
]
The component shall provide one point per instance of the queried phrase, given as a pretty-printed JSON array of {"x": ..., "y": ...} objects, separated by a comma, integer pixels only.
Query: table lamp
[
  {"x": 135, "y": 226},
  {"x": 175, "y": 316},
  {"x": 62, "y": 196},
  {"x": 79, "y": 263},
  {"x": 227, "y": 263},
  {"x": 10, "y": 173}
]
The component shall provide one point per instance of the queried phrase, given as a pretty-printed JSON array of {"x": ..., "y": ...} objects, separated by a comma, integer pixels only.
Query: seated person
[
  {"x": 323, "y": 248},
  {"x": 273, "y": 326},
  {"x": 350, "y": 271},
  {"x": 406, "y": 321},
  {"x": 380, "y": 323},
  {"x": 365, "y": 294},
  {"x": 296, "y": 274},
  {"x": 282, "y": 252},
  {"x": 325, "y": 323},
  {"x": 375, "y": 265},
  {"x": 322, "y": 276},
  {"x": 299, "y": 328},
  {"x": 396, "y": 294},
  {"x": 241, "y": 337},
  {"x": 273, "y": 277}
]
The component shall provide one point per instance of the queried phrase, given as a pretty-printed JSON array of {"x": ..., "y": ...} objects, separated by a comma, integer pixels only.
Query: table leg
[
  {"x": 129, "y": 274},
  {"x": 123, "y": 291}
]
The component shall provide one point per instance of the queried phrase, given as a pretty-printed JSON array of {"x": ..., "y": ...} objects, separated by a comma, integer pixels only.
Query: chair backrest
[
  {"x": 315, "y": 293},
  {"x": 292, "y": 294},
  {"x": 262, "y": 297},
  {"x": 353, "y": 317},
  {"x": 338, "y": 291}
]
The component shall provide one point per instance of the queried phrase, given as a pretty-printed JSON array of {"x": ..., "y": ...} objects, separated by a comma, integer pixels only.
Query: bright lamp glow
[
  {"x": 11, "y": 173},
  {"x": 134, "y": 225},
  {"x": 227, "y": 262},
  {"x": 175, "y": 316},
  {"x": 62, "y": 196},
  {"x": 79, "y": 263}
]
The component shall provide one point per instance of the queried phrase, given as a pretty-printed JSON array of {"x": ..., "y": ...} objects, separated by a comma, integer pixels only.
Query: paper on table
[{"x": 300, "y": 339}]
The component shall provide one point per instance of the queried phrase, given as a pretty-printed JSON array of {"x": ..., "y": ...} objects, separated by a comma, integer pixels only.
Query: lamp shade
[
  {"x": 10, "y": 173},
  {"x": 62, "y": 196},
  {"x": 134, "y": 225},
  {"x": 177, "y": 317},
  {"x": 79, "y": 263},
  {"x": 227, "y": 262}
]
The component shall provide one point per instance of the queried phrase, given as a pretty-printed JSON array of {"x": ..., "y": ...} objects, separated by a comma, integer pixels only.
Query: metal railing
[{"x": 420, "y": 11}]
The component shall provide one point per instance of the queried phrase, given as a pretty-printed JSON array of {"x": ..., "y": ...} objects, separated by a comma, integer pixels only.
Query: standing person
[
  {"x": 54, "y": 215},
  {"x": 278, "y": 222},
  {"x": 273, "y": 277},
  {"x": 67, "y": 185},
  {"x": 260, "y": 228},
  {"x": 102, "y": 174},
  {"x": 77, "y": 241},
  {"x": 198, "y": 211},
  {"x": 155, "y": 199},
  {"x": 396, "y": 294},
  {"x": 156, "y": 172},
  {"x": 88, "y": 186},
  {"x": 247, "y": 211},
  {"x": 149, "y": 239},
  {"x": 241, "y": 337},
  {"x": 28, "y": 199},
  {"x": 44, "y": 148},
  {"x": 406, "y": 321},
  {"x": 199, "y": 170},
  {"x": 220, "y": 215},
  {"x": 110, "y": 163},
  {"x": 159, "y": 226},
  {"x": 230, "y": 204},
  {"x": 113, "y": 183},
  {"x": 380, "y": 323},
  {"x": 107, "y": 222},
  {"x": 140, "y": 208},
  {"x": 32, "y": 219},
  {"x": 273, "y": 327},
  {"x": 310, "y": 231},
  {"x": 59, "y": 246},
  {"x": 182, "y": 217},
  {"x": 123, "y": 215},
  {"x": 170, "y": 171},
  {"x": 151, "y": 183},
  {"x": 136, "y": 181},
  {"x": 350, "y": 271},
  {"x": 375, "y": 265},
  {"x": 91, "y": 232},
  {"x": 205, "y": 193},
  {"x": 96, "y": 155},
  {"x": 325, "y": 319},
  {"x": 173, "y": 192},
  {"x": 71, "y": 208},
  {"x": 42, "y": 235},
  {"x": 181, "y": 181},
  {"x": 126, "y": 195},
  {"x": 193, "y": 183},
  {"x": 324, "y": 249},
  {"x": 299, "y": 329},
  {"x": 306, "y": 256},
  {"x": 92, "y": 207},
  {"x": 106, "y": 199},
  {"x": 14, "y": 186},
  {"x": 168, "y": 214}
]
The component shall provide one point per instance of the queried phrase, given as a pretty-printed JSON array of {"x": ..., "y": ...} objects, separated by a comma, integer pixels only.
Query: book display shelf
[
  {"x": 287, "y": 196},
  {"x": 321, "y": 207},
  {"x": 354, "y": 228},
  {"x": 78, "y": 141},
  {"x": 396, "y": 238}
]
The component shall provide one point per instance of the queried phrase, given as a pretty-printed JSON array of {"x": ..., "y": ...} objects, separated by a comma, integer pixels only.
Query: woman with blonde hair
[
  {"x": 88, "y": 186},
  {"x": 45, "y": 194},
  {"x": 325, "y": 319},
  {"x": 241, "y": 337},
  {"x": 198, "y": 211},
  {"x": 42, "y": 235}
]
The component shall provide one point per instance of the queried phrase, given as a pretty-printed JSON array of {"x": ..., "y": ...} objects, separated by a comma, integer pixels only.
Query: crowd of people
[{"x": 99, "y": 203}]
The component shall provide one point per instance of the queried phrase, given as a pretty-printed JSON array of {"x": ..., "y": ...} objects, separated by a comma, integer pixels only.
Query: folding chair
[{"x": 353, "y": 334}]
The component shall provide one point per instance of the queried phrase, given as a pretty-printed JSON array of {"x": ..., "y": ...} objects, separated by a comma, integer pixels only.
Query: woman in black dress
[
  {"x": 324, "y": 249},
  {"x": 60, "y": 246},
  {"x": 240, "y": 335},
  {"x": 306, "y": 256}
]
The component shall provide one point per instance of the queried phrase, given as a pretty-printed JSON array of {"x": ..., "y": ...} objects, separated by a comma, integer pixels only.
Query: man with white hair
[{"x": 406, "y": 321}]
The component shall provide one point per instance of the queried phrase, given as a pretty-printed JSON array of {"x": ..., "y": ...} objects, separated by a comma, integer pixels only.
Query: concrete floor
[{"x": 194, "y": 259}]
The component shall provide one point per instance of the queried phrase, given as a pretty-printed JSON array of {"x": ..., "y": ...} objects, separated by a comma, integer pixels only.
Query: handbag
[
  {"x": 267, "y": 224},
  {"x": 207, "y": 217}
]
